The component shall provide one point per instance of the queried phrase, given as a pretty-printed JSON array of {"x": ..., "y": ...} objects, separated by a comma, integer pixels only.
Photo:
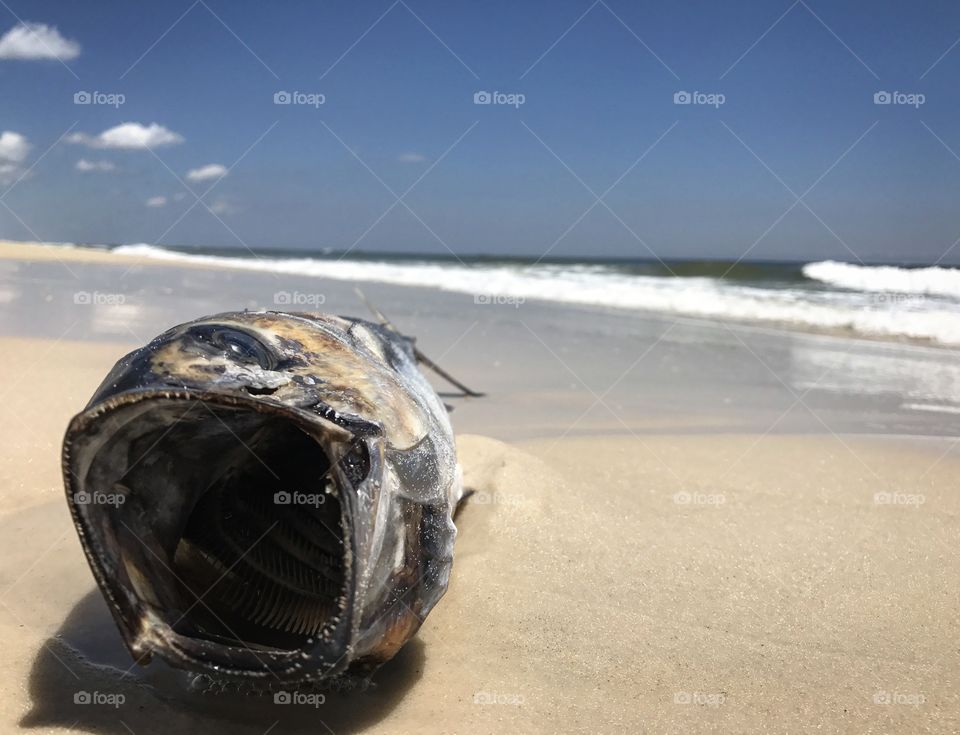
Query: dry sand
[
  {"x": 59, "y": 252},
  {"x": 726, "y": 583}
]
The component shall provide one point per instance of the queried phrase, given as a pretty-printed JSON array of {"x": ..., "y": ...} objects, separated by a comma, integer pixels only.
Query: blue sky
[{"x": 719, "y": 177}]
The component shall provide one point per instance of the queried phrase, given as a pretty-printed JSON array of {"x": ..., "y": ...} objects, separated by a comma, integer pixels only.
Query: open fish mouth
[
  {"x": 267, "y": 496},
  {"x": 220, "y": 529}
]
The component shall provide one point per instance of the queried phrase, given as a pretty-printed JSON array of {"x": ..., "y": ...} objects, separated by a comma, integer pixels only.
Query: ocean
[{"x": 883, "y": 301}]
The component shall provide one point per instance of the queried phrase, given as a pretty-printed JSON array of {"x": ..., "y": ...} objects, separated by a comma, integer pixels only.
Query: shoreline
[
  {"x": 542, "y": 365},
  {"x": 68, "y": 253}
]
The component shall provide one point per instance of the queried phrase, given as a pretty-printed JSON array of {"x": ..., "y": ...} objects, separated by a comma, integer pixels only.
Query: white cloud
[
  {"x": 13, "y": 150},
  {"x": 411, "y": 158},
  {"x": 100, "y": 166},
  {"x": 32, "y": 41},
  {"x": 205, "y": 173},
  {"x": 156, "y": 202},
  {"x": 13, "y": 147},
  {"x": 131, "y": 136}
]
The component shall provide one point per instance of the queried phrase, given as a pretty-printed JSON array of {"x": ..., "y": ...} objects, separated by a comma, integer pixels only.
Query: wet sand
[{"x": 625, "y": 570}]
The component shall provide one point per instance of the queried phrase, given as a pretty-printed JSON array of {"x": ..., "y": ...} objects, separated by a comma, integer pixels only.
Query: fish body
[{"x": 267, "y": 496}]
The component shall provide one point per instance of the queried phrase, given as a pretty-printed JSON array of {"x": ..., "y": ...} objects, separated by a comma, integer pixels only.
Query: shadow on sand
[{"x": 158, "y": 699}]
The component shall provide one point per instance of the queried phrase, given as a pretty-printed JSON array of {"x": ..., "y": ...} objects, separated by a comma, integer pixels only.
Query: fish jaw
[
  {"x": 302, "y": 390},
  {"x": 166, "y": 577}
]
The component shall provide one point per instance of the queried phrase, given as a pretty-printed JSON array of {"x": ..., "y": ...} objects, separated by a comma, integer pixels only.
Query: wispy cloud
[
  {"x": 99, "y": 166},
  {"x": 221, "y": 207},
  {"x": 156, "y": 202},
  {"x": 37, "y": 41},
  {"x": 130, "y": 136},
  {"x": 411, "y": 157},
  {"x": 13, "y": 150},
  {"x": 208, "y": 172}
]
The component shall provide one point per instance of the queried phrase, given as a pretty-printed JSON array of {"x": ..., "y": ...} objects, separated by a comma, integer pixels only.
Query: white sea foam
[
  {"x": 933, "y": 281},
  {"x": 864, "y": 311}
]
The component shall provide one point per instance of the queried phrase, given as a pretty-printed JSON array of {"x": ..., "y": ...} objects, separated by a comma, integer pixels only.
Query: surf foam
[
  {"x": 932, "y": 281},
  {"x": 867, "y": 309}
]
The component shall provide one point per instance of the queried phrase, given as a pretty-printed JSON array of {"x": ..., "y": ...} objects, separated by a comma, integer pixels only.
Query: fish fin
[
  {"x": 418, "y": 354},
  {"x": 381, "y": 317},
  {"x": 445, "y": 375}
]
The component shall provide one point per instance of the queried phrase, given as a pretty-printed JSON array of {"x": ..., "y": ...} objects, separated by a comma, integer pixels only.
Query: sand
[
  {"x": 626, "y": 582},
  {"x": 61, "y": 253}
]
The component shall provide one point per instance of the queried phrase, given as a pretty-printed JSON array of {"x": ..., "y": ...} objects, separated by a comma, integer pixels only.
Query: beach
[{"x": 678, "y": 524}]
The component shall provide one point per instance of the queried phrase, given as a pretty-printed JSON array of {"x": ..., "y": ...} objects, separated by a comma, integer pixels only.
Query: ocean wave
[
  {"x": 868, "y": 313},
  {"x": 932, "y": 281}
]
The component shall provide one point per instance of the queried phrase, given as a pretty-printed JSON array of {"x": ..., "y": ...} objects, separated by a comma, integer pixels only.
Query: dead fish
[{"x": 267, "y": 496}]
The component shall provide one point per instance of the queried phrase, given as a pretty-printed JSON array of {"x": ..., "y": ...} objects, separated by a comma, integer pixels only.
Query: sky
[{"x": 798, "y": 130}]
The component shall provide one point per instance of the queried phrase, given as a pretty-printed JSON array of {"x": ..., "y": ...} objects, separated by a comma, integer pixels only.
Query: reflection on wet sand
[{"x": 906, "y": 373}]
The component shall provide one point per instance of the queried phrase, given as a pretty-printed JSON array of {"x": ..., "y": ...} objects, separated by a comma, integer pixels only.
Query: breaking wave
[
  {"x": 879, "y": 301},
  {"x": 933, "y": 281}
]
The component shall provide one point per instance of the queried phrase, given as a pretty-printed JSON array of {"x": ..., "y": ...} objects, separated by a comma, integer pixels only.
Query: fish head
[{"x": 225, "y": 483}]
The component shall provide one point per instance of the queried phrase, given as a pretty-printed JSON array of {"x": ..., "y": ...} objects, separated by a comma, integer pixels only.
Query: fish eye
[{"x": 237, "y": 344}]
